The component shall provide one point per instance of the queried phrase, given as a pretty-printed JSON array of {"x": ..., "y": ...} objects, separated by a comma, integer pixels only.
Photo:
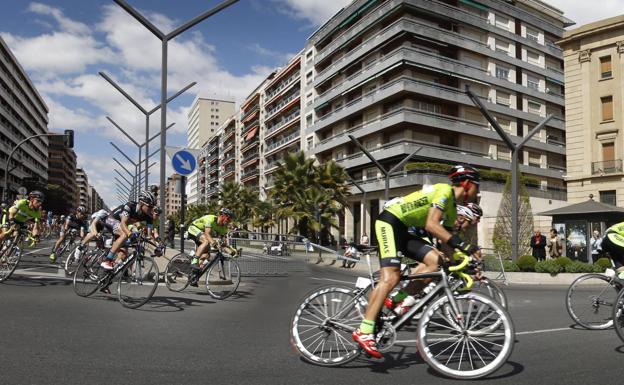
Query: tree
[{"x": 502, "y": 229}]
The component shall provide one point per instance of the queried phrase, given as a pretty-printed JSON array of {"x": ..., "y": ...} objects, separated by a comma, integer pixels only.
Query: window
[
  {"x": 532, "y": 35},
  {"x": 503, "y": 153},
  {"x": 310, "y": 143},
  {"x": 534, "y": 107},
  {"x": 505, "y": 124},
  {"x": 605, "y": 67},
  {"x": 308, "y": 77},
  {"x": 535, "y": 159},
  {"x": 609, "y": 197},
  {"x": 608, "y": 152},
  {"x": 533, "y": 57},
  {"x": 429, "y": 107},
  {"x": 533, "y": 83},
  {"x": 502, "y": 22},
  {"x": 607, "y": 108},
  {"x": 502, "y": 47},
  {"x": 502, "y": 98},
  {"x": 502, "y": 72}
]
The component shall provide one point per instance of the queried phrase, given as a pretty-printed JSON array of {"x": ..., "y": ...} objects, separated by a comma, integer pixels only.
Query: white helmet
[{"x": 465, "y": 212}]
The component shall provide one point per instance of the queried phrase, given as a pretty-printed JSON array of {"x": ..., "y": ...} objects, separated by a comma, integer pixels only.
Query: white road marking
[
  {"x": 34, "y": 251},
  {"x": 333, "y": 280}
]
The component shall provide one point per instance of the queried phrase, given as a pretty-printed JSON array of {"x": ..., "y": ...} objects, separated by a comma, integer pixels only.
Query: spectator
[
  {"x": 170, "y": 230},
  {"x": 596, "y": 245},
  {"x": 538, "y": 244},
  {"x": 554, "y": 244},
  {"x": 364, "y": 239}
]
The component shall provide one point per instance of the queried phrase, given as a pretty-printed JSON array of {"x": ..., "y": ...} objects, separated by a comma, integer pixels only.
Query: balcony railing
[
  {"x": 283, "y": 122},
  {"x": 607, "y": 167},
  {"x": 250, "y": 173},
  {"x": 250, "y": 156},
  {"x": 282, "y": 104},
  {"x": 282, "y": 141},
  {"x": 283, "y": 85}
]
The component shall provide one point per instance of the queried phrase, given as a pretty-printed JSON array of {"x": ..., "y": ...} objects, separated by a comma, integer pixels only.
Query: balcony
[
  {"x": 284, "y": 123},
  {"x": 283, "y": 86},
  {"x": 279, "y": 143},
  {"x": 282, "y": 105},
  {"x": 250, "y": 112},
  {"x": 247, "y": 145},
  {"x": 250, "y": 174},
  {"x": 606, "y": 167},
  {"x": 250, "y": 156}
]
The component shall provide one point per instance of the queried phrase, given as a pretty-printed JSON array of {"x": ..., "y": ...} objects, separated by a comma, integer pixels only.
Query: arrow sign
[{"x": 183, "y": 162}]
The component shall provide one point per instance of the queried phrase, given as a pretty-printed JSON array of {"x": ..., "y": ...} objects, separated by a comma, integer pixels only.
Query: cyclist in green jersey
[
  {"x": 432, "y": 209},
  {"x": 22, "y": 211},
  {"x": 202, "y": 230},
  {"x": 613, "y": 244}
]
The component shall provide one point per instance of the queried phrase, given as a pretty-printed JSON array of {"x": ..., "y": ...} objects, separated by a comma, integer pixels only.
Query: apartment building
[
  {"x": 173, "y": 199},
  {"x": 249, "y": 141},
  {"x": 393, "y": 74},
  {"x": 62, "y": 168},
  {"x": 82, "y": 182},
  {"x": 23, "y": 113},
  {"x": 95, "y": 200},
  {"x": 208, "y": 168},
  {"x": 594, "y": 94},
  {"x": 205, "y": 117}
]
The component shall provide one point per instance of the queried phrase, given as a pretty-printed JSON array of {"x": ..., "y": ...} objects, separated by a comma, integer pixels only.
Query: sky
[{"x": 63, "y": 44}]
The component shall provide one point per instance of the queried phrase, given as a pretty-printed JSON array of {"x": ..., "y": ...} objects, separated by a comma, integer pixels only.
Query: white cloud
[
  {"x": 315, "y": 11},
  {"x": 280, "y": 58},
  {"x": 583, "y": 12},
  {"x": 65, "y": 23}
]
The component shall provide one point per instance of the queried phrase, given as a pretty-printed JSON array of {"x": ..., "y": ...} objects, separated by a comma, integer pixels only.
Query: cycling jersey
[
  {"x": 24, "y": 213},
  {"x": 413, "y": 209},
  {"x": 100, "y": 215},
  {"x": 208, "y": 221},
  {"x": 73, "y": 222},
  {"x": 131, "y": 210}
]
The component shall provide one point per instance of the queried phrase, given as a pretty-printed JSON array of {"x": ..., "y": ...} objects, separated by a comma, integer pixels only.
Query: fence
[{"x": 493, "y": 262}]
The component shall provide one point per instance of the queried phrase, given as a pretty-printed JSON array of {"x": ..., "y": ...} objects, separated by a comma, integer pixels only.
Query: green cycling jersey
[
  {"x": 209, "y": 221},
  {"x": 413, "y": 209},
  {"x": 618, "y": 229},
  {"x": 24, "y": 213}
]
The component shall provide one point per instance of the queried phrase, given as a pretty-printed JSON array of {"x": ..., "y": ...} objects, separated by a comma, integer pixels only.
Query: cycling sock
[
  {"x": 367, "y": 327},
  {"x": 110, "y": 256}
]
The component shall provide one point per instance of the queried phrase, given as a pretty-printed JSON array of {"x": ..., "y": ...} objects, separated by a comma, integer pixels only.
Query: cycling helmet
[
  {"x": 81, "y": 209},
  {"x": 226, "y": 212},
  {"x": 476, "y": 210},
  {"x": 460, "y": 173},
  {"x": 147, "y": 198},
  {"x": 36, "y": 194},
  {"x": 465, "y": 212},
  {"x": 3, "y": 205},
  {"x": 157, "y": 210}
]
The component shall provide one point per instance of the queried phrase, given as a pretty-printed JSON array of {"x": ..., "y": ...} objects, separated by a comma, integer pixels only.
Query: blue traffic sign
[{"x": 183, "y": 162}]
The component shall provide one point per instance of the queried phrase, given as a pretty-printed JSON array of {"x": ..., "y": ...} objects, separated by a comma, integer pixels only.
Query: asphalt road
[{"x": 49, "y": 335}]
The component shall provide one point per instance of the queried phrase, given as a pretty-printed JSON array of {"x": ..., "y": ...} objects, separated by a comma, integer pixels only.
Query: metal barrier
[
  {"x": 267, "y": 254},
  {"x": 493, "y": 262}
]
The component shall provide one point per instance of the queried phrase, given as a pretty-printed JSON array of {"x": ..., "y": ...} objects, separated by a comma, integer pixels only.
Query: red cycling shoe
[{"x": 367, "y": 342}]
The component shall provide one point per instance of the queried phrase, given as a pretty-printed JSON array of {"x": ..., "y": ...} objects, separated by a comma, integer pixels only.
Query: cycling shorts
[
  {"x": 395, "y": 242},
  {"x": 613, "y": 244},
  {"x": 112, "y": 225},
  {"x": 194, "y": 234}
]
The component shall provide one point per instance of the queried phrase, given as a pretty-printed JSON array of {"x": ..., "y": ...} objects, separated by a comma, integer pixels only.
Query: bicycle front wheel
[
  {"x": 72, "y": 260},
  {"x": 88, "y": 273},
  {"x": 223, "y": 278},
  {"x": 322, "y": 326},
  {"x": 618, "y": 315},
  {"x": 137, "y": 282},
  {"x": 491, "y": 289},
  {"x": 9, "y": 259},
  {"x": 178, "y": 272},
  {"x": 590, "y": 300},
  {"x": 465, "y": 345}
]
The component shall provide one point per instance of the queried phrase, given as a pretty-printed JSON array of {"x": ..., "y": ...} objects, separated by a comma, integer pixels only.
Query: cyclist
[
  {"x": 434, "y": 209},
  {"x": 3, "y": 212},
  {"x": 613, "y": 244},
  {"x": 75, "y": 221},
  {"x": 24, "y": 210},
  {"x": 202, "y": 232},
  {"x": 117, "y": 223}
]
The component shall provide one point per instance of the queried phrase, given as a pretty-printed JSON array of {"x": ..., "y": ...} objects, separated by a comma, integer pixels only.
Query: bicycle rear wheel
[
  {"x": 137, "y": 282},
  {"x": 88, "y": 273},
  {"x": 72, "y": 261},
  {"x": 178, "y": 272},
  {"x": 491, "y": 289},
  {"x": 618, "y": 315},
  {"x": 322, "y": 325},
  {"x": 590, "y": 300},
  {"x": 463, "y": 345},
  {"x": 223, "y": 278},
  {"x": 9, "y": 260}
]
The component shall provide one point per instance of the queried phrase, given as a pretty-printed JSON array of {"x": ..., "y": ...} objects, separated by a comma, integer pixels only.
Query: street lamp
[
  {"x": 164, "y": 38},
  {"x": 145, "y": 112}
]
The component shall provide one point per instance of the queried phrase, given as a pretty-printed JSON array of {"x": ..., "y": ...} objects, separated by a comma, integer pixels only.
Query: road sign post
[{"x": 184, "y": 162}]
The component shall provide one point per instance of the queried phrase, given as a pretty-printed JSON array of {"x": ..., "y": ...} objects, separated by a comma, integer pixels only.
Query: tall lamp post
[
  {"x": 165, "y": 38},
  {"x": 145, "y": 112}
]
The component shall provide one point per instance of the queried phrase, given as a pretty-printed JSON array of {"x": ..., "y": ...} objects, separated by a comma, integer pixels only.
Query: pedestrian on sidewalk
[
  {"x": 554, "y": 245},
  {"x": 170, "y": 231},
  {"x": 538, "y": 244},
  {"x": 596, "y": 245},
  {"x": 364, "y": 239}
]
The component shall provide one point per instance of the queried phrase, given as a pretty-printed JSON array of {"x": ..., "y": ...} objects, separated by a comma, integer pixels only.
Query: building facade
[
  {"x": 23, "y": 113},
  {"x": 393, "y": 74},
  {"x": 205, "y": 117},
  {"x": 173, "y": 199},
  {"x": 62, "y": 168},
  {"x": 594, "y": 94},
  {"x": 84, "y": 198},
  {"x": 95, "y": 201}
]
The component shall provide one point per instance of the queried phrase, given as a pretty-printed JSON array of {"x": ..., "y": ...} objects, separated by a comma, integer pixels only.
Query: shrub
[
  {"x": 604, "y": 263},
  {"x": 549, "y": 266},
  {"x": 510, "y": 266},
  {"x": 579, "y": 267},
  {"x": 598, "y": 268},
  {"x": 563, "y": 261},
  {"x": 527, "y": 263}
]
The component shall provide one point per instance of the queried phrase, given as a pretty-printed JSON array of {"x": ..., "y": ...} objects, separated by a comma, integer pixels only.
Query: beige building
[
  {"x": 172, "y": 198},
  {"x": 594, "y": 80},
  {"x": 204, "y": 118}
]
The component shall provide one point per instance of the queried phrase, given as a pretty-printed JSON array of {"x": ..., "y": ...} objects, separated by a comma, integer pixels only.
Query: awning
[
  {"x": 584, "y": 208},
  {"x": 555, "y": 81},
  {"x": 251, "y": 134},
  {"x": 474, "y": 4}
]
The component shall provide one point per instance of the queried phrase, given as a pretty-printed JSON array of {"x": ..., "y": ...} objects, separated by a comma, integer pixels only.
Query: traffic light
[{"x": 69, "y": 138}]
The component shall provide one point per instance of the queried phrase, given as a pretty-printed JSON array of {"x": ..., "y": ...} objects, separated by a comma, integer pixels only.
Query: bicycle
[
  {"x": 73, "y": 260},
  {"x": 11, "y": 249},
  {"x": 137, "y": 276},
  {"x": 462, "y": 336},
  {"x": 222, "y": 274},
  {"x": 590, "y": 299},
  {"x": 68, "y": 246}
]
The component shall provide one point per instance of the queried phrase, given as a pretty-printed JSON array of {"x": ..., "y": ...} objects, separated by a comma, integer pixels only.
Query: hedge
[
  {"x": 549, "y": 266},
  {"x": 604, "y": 263},
  {"x": 527, "y": 263}
]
